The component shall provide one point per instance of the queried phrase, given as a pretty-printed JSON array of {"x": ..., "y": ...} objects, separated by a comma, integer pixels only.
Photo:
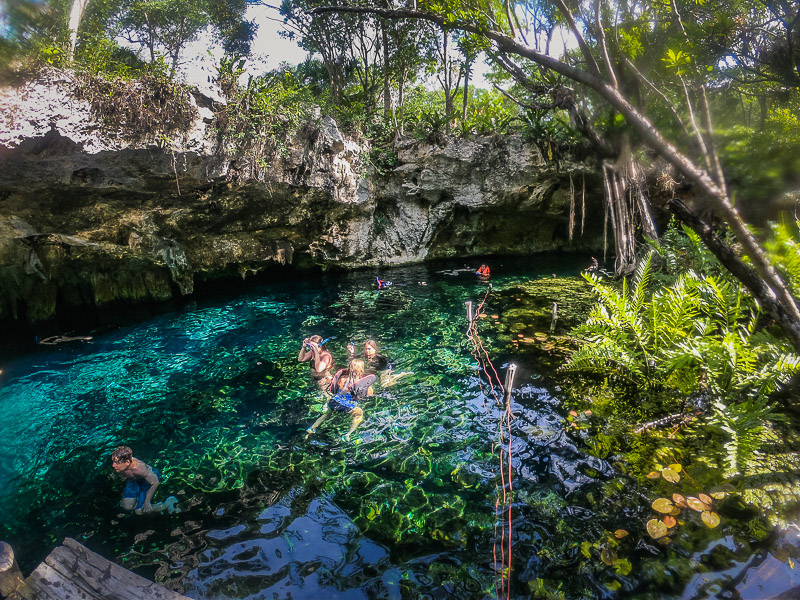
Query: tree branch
[{"x": 649, "y": 134}]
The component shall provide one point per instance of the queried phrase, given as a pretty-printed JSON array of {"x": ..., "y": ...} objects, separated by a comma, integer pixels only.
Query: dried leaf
[
  {"x": 696, "y": 504},
  {"x": 587, "y": 412},
  {"x": 679, "y": 500},
  {"x": 710, "y": 518},
  {"x": 620, "y": 533},
  {"x": 670, "y": 475},
  {"x": 608, "y": 556},
  {"x": 656, "y": 529},
  {"x": 653, "y": 475},
  {"x": 669, "y": 521},
  {"x": 705, "y": 498},
  {"x": 662, "y": 505},
  {"x": 573, "y": 413}
]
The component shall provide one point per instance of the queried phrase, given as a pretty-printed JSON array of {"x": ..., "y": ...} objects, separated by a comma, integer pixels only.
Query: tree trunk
[
  {"x": 786, "y": 309},
  {"x": 466, "y": 92},
  {"x": 387, "y": 90},
  {"x": 76, "y": 11}
]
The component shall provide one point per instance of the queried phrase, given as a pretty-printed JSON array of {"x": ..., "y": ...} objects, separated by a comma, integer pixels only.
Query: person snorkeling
[
  {"x": 320, "y": 360},
  {"x": 349, "y": 386}
]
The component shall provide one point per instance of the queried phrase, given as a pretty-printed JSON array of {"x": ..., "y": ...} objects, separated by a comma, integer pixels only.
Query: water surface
[{"x": 413, "y": 507}]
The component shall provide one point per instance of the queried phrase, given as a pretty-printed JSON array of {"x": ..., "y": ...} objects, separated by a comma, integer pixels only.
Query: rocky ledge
[{"x": 92, "y": 218}]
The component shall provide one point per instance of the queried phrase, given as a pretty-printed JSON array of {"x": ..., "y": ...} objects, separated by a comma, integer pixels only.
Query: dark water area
[{"x": 414, "y": 506}]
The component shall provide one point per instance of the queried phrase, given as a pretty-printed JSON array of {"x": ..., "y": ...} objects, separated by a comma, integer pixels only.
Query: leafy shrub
[
  {"x": 147, "y": 107},
  {"x": 261, "y": 115},
  {"x": 698, "y": 334}
]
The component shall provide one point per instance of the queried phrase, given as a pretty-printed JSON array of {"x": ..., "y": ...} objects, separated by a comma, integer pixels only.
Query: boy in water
[{"x": 141, "y": 485}]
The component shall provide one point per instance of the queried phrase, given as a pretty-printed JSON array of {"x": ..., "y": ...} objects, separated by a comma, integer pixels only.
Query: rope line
[{"x": 502, "y": 513}]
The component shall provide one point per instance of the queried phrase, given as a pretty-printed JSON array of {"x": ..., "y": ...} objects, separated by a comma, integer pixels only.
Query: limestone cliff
[{"x": 92, "y": 217}]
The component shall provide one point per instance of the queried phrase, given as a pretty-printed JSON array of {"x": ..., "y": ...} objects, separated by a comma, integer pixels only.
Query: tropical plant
[{"x": 698, "y": 335}]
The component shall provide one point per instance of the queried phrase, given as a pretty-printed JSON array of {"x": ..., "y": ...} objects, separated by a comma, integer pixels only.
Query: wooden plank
[
  {"x": 45, "y": 583},
  {"x": 102, "y": 578}
]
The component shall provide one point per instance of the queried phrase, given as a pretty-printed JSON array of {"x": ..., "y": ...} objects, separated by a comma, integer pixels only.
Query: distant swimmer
[
  {"x": 60, "y": 339},
  {"x": 383, "y": 284},
  {"x": 483, "y": 272},
  {"x": 595, "y": 266},
  {"x": 454, "y": 272}
]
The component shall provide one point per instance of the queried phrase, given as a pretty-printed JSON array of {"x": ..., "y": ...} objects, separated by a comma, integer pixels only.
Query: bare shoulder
[{"x": 140, "y": 469}]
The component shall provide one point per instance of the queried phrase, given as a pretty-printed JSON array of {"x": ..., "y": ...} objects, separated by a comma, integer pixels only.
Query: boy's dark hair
[{"x": 122, "y": 454}]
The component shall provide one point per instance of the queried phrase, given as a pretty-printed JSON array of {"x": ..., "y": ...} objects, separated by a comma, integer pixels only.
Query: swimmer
[
  {"x": 349, "y": 386},
  {"x": 320, "y": 360},
  {"x": 142, "y": 483},
  {"x": 377, "y": 362}
]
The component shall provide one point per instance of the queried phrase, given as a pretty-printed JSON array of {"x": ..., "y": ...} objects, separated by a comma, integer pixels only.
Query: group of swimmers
[{"x": 348, "y": 386}]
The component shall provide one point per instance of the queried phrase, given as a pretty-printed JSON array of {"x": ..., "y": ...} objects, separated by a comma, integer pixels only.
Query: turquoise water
[{"x": 213, "y": 396}]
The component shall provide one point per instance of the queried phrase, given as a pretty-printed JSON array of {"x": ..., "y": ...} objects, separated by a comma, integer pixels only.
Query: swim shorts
[
  {"x": 343, "y": 402},
  {"x": 137, "y": 488}
]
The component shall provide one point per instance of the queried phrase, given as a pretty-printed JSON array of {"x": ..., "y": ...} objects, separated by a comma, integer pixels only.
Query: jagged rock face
[{"x": 90, "y": 219}]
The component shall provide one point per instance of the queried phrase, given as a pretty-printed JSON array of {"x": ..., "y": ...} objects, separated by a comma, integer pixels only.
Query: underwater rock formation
[{"x": 95, "y": 216}]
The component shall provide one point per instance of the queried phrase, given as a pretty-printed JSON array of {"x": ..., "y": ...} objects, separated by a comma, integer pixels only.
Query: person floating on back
[
  {"x": 349, "y": 386},
  {"x": 321, "y": 361},
  {"x": 142, "y": 483}
]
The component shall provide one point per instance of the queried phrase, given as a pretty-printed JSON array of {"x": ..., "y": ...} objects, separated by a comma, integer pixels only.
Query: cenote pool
[{"x": 213, "y": 396}]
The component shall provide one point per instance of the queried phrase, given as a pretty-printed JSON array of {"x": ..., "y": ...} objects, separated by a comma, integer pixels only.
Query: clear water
[{"x": 213, "y": 396}]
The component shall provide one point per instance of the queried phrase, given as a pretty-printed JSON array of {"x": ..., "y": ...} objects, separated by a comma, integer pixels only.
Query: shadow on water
[{"x": 213, "y": 396}]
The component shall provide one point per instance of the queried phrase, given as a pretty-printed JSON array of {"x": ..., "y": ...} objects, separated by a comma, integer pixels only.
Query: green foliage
[
  {"x": 383, "y": 159},
  {"x": 698, "y": 333},
  {"x": 784, "y": 248},
  {"x": 148, "y": 107},
  {"x": 260, "y": 116}
]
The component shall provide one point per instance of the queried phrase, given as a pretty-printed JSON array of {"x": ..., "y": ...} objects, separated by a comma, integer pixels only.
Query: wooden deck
[{"x": 73, "y": 572}]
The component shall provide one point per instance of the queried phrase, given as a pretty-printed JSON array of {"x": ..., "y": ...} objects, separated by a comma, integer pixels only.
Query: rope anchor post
[
  {"x": 510, "y": 374},
  {"x": 470, "y": 316},
  {"x": 555, "y": 317}
]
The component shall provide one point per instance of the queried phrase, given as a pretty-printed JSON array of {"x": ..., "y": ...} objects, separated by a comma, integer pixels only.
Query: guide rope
[{"x": 506, "y": 488}]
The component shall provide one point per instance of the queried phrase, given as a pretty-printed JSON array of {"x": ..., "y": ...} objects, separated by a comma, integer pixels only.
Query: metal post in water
[
  {"x": 470, "y": 317},
  {"x": 510, "y": 374},
  {"x": 555, "y": 317}
]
